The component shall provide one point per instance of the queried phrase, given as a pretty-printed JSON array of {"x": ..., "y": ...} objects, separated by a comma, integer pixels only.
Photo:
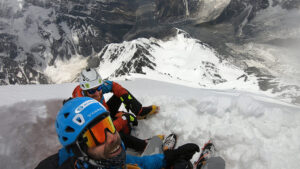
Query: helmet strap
[
  {"x": 84, "y": 93},
  {"x": 84, "y": 157},
  {"x": 79, "y": 152},
  {"x": 117, "y": 161}
]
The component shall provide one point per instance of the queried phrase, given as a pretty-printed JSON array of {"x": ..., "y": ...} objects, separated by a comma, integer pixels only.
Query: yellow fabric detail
[
  {"x": 154, "y": 110},
  {"x": 131, "y": 118},
  {"x": 122, "y": 99},
  {"x": 161, "y": 136},
  {"x": 129, "y": 97},
  {"x": 132, "y": 166}
]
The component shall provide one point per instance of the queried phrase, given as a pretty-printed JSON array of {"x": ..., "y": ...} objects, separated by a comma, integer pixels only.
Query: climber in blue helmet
[{"x": 86, "y": 131}]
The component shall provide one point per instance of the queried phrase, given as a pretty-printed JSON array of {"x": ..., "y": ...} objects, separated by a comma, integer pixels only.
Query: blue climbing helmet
[
  {"x": 73, "y": 121},
  {"x": 75, "y": 116}
]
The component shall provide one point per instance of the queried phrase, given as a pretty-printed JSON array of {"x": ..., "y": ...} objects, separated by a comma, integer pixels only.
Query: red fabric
[
  {"x": 118, "y": 90},
  {"x": 119, "y": 114},
  {"x": 121, "y": 125},
  {"x": 77, "y": 92}
]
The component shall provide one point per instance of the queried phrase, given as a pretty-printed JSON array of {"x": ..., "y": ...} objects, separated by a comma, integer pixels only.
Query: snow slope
[{"x": 250, "y": 131}]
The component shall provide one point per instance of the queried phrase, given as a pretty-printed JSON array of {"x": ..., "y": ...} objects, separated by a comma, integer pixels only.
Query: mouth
[
  {"x": 96, "y": 97},
  {"x": 115, "y": 150}
]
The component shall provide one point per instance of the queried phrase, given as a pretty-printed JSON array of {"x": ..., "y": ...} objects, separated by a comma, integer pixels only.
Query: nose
[
  {"x": 98, "y": 93},
  {"x": 111, "y": 138}
]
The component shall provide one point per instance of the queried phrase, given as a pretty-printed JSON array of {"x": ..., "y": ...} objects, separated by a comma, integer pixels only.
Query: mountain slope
[{"x": 177, "y": 58}]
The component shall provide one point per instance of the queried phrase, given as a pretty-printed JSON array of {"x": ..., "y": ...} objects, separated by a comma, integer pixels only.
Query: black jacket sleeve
[
  {"x": 68, "y": 164},
  {"x": 50, "y": 162}
]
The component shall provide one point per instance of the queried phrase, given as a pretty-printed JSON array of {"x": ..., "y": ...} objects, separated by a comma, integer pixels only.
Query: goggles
[
  {"x": 93, "y": 91},
  {"x": 96, "y": 135}
]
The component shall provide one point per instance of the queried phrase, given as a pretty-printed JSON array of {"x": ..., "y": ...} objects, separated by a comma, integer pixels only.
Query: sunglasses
[
  {"x": 96, "y": 135},
  {"x": 93, "y": 91}
]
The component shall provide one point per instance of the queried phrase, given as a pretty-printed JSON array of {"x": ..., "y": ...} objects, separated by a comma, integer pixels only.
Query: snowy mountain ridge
[
  {"x": 41, "y": 39},
  {"x": 179, "y": 59},
  {"x": 36, "y": 33},
  {"x": 176, "y": 58}
]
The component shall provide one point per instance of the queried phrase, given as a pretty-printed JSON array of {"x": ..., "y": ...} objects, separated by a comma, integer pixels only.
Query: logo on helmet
[
  {"x": 78, "y": 118},
  {"x": 84, "y": 105}
]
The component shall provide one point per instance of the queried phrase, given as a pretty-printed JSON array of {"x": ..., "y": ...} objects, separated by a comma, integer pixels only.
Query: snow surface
[{"x": 250, "y": 131}]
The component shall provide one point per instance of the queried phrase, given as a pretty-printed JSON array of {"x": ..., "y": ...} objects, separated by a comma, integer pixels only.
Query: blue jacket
[{"x": 155, "y": 161}]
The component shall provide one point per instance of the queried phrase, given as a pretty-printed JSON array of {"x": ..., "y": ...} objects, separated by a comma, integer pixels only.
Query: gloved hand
[
  {"x": 184, "y": 152},
  {"x": 131, "y": 119}
]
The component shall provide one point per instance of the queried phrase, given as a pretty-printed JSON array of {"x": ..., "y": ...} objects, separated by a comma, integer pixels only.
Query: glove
[
  {"x": 184, "y": 152},
  {"x": 131, "y": 119}
]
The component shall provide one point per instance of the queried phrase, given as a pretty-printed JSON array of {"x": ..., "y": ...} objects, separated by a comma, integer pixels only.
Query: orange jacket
[{"x": 116, "y": 89}]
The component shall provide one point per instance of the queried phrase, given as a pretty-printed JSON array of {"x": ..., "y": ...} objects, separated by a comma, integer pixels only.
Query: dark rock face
[
  {"x": 78, "y": 27},
  {"x": 141, "y": 58},
  {"x": 20, "y": 73},
  {"x": 287, "y": 4},
  {"x": 170, "y": 9},
  {"x": 139, "y": 61},
  {"x": 240, "y": 11},
  {"x": 63, "y": 29},
  {"x": 7, "y": 45},
  {"x": 70, "y": 28},
  {"x": 237, "y": 9},
  {"x": 95, "y": 23},
  {"x": 212, "y": 71}
]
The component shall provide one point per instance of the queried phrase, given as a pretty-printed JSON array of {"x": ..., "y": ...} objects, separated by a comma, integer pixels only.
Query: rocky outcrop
[
  {"x": 14, "y": 72},
  {"x": 240, "y": 12},
  {"x": 47, "y": 31},
  {"x": 35, "y": 34}
]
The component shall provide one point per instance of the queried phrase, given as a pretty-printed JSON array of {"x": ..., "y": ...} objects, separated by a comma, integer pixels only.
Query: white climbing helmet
[{"x": 89, "y": 78}]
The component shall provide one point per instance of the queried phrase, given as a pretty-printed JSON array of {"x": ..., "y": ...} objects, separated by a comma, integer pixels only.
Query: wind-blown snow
[
  {"x": 250, "y": 131},
  {"x": 66, "y": 71},
  {"x": 274, "y": 48},
  {"x": 210, "y": 10},
  {"x": 277, "y": 42}
]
